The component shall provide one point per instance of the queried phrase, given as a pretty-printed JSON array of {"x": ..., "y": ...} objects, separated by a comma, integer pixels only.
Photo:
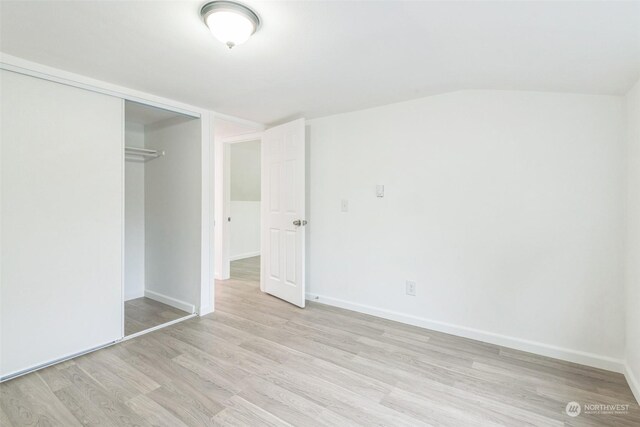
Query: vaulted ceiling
[{"x": 316, "y": 58}]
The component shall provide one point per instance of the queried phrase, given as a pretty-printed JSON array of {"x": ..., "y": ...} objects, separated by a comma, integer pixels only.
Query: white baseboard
[
  {"x": 176, "y": 303},
  {"x": 243, "y": 256},
  {"x": 134, "y": 295},
  {"x": 633, "y": 380},
  {"x": 575, "y": 356}
]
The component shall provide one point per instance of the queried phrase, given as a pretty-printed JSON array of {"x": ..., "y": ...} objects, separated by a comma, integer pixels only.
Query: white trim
[
  {"x": 155, "y": 328},
  {"x": 244, "y": 122},
  {"x": 634, "y": 382},
  {"x": 22, "y": 66},
  {"x": 34, "y": 368},
  {"x": 263, "y": 216},
  {"x": 207, "y": 280},
  {"x": 245, "y": 137},
  {"x": 122, "y": 95},
  {"x": 176, "y": 303},
  {"x": 222, "y": 190},
  {"x": 123, "y": 216},
  {"x": 245, "y": 255},
  {"x": 569, "y": 355}
]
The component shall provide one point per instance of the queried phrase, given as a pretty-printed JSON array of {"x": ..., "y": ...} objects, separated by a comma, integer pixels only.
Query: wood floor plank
[
  {"x": 47, "y": 409},
  {"x": 54, "y": 378},
  {"x": 153, "y": 412},
  {"x": 85, "y": 411},
  {"x": 339, "y": 375},
  {"x": 240, "y": 412},
  {"x": 341, "y": 400},
  {"x": 4, "y": 418},
  {"x": 117, "y": 388},
  {"x": 117, "y": 412},
  {"x": 227, "y": 383},
  {"x": 260, "y": 361},
  {"x": 127, "y": 374},
  {"x": 288, "y": 406},
  {"x": 443, "y": 410},
  {"x": 204, "y": 392},
  {"x": 17, "y": 408},
  {"x": 189, "y": 409}
]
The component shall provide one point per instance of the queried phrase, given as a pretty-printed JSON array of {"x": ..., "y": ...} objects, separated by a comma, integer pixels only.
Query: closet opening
[{"x": 162, "y": 216}]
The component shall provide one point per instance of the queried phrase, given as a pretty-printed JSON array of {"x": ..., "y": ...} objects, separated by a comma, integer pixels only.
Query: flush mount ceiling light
[{"x": 231, "y": 23}]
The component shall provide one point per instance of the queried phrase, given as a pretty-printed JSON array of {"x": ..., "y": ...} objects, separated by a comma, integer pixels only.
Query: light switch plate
[
  {"x": 379, "y": 190},
  {"x": 344, "y": 205}
]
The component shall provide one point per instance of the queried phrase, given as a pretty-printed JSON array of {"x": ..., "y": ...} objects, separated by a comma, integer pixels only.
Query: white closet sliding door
[{"x": 61, "y": 221}]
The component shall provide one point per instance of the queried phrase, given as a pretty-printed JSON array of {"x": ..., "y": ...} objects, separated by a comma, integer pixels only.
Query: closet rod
[{"x": 143, "y": 152}]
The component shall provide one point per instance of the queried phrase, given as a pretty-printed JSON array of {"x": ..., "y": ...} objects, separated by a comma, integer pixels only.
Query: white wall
[
  {"x": 633, "y": 239},
  {"x": 506, "y": 208},
  {"x": 245, "y": 171},
  {"x": 173, "y": 211},
  {"x": 134, "y": 217},
  {"x": 245, "y": 230},
  {"x": 245, "y": 199}
]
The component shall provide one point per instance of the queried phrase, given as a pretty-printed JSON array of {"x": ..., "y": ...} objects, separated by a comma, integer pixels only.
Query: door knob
[{"x": 298, "y": 222}]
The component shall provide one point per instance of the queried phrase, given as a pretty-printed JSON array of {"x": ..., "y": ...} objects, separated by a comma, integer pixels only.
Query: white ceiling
[{"x": 315, "y": 58}]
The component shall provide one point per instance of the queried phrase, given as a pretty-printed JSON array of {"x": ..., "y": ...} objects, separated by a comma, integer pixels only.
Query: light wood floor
[
  {"x": 260, "y": 361},
  {"x": 144, "y": 313}
]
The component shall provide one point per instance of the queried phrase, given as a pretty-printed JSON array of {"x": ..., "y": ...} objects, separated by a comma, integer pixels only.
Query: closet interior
[{"x": 162, "y": 216}]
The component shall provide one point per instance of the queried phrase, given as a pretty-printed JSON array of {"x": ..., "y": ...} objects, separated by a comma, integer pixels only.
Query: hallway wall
[{"x": 245, "y": 200}]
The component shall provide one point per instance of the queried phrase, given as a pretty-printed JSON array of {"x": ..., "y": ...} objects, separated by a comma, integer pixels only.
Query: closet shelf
[{"x": 142, "y": 153}]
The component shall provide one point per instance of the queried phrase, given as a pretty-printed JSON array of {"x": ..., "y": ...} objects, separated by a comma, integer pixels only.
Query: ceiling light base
[{"x": 230, "y": 22}]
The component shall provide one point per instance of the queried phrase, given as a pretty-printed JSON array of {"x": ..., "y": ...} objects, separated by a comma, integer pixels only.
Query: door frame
[{"x": 222, "y": 181}]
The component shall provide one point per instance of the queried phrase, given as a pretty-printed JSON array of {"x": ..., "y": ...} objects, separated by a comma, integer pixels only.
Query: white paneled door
[{"x": 283, "y": 212}]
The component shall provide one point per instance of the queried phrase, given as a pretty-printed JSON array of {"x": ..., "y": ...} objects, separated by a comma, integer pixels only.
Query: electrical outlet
[{"x": 411, "y": 288}]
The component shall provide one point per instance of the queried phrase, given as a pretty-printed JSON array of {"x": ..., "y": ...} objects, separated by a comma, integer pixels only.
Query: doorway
[
  {"x": 237, "y": 196},
  {"x": 244, "y": 208},
  {"x": 280, "y": 258}
]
